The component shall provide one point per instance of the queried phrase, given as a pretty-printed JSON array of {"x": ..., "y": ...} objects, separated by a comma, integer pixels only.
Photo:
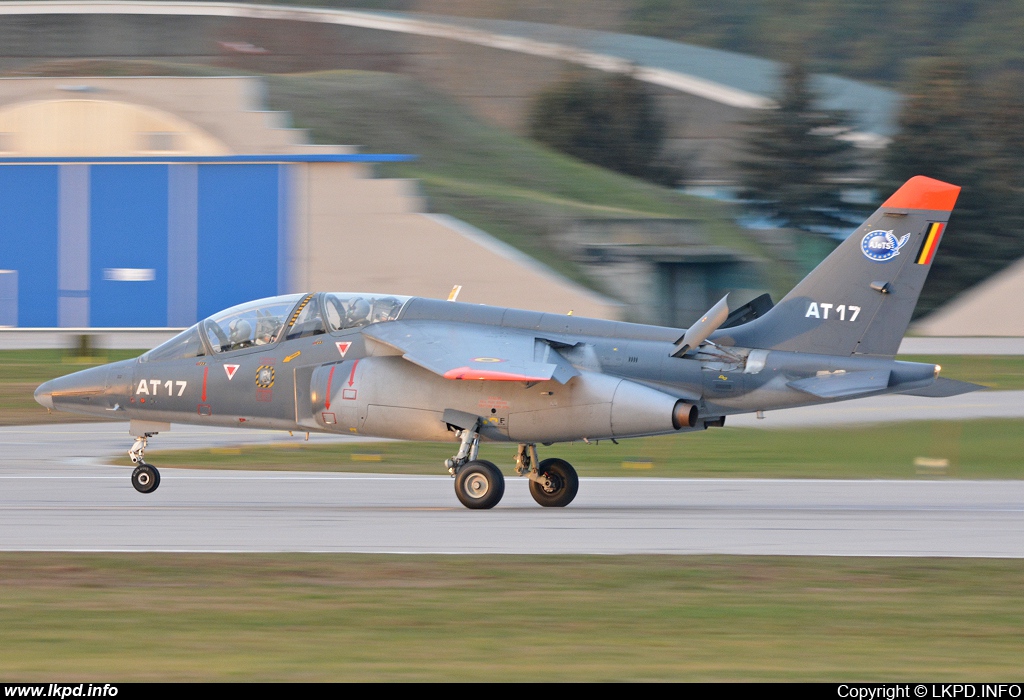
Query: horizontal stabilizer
[
  {"x": 843, "y": 385},
  {"x": 942, "y": 387}
]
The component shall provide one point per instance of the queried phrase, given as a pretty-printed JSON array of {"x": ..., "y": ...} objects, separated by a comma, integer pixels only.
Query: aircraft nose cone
[{"x": 44, "y": 395}]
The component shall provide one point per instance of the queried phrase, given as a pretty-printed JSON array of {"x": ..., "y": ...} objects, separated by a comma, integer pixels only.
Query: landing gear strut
[
  {"x": 553, "y": 482},
  {"x": 479, "y": 484},
  {"x": 145, "y": 477}
]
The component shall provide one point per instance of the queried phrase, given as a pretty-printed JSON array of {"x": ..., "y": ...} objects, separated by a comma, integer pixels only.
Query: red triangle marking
[
  {"x": 230, "y": 370},
  {"x": 343, "y": 347}
]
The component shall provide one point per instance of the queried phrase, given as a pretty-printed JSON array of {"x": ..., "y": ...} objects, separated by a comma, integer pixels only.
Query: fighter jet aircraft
[{"x": 423, "y": 369}]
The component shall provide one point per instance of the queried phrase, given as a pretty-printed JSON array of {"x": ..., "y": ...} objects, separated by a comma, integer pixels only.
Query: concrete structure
[
  {"x": 991, "y": 308},
  {"x": 149, "y": 202},
  {"x": 665, "y": 270},
  {"x": 493, "y": 67}
]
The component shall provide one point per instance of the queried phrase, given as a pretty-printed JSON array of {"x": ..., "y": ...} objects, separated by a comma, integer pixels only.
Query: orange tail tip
[{"x": 922, "y": 192}]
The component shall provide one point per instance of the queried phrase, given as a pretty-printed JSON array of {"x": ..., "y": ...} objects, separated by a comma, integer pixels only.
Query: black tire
[
  {"x": 564, "y": 484},
  {"x": 479, "y": 485},
  {"x": 145, "y": 478}
]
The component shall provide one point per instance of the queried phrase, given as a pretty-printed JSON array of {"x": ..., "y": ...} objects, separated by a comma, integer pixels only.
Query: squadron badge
[
  {"x": 882, "y": 246},
  {"x": 265, "y": 376}
]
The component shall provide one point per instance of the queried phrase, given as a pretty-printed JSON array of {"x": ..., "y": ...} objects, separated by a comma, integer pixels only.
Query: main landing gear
[
  {"x": 480, "y": 485},
  {"x": 145, "y": 477}
]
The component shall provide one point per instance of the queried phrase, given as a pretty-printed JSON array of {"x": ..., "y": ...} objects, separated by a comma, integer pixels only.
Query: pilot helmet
[
  {"x": 359, "y": 309},
  {"x": 240, "y": 330}
]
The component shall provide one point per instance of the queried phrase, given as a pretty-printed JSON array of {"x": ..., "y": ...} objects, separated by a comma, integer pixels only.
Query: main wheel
[
  {"x": 479, "y": 485},
  {"x": 562, "y": 484},
  {"x": 145, "y": 478}
]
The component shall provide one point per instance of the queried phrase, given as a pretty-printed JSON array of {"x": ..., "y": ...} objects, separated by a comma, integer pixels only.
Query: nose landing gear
[{"x": 145, "y": 477}]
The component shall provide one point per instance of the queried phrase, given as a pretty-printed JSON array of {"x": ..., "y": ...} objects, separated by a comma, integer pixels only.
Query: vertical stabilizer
[{"x": 859, "y": 300}]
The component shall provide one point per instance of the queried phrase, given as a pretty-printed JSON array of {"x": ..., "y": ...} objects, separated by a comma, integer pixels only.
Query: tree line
[{"x": 797, "y": 164}]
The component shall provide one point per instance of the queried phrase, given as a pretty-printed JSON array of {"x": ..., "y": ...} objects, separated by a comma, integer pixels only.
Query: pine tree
[
  {"x": 953, "y": 130},
  {"x": 796, "y": 160},
  {"x": 612, "y": 122}
]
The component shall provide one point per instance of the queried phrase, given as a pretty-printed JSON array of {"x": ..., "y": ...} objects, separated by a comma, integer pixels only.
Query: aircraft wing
[{"x": 467, "y": 351}]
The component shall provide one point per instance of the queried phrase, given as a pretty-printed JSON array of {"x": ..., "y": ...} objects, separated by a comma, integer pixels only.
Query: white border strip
[{"x": 673, "y": 80}]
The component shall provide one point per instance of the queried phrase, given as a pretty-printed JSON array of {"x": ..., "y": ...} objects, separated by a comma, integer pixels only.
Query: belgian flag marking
[{"x": 931, "y": 242}]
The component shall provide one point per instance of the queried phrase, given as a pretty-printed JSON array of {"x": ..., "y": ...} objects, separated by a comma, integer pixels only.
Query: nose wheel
[{"x": 145, "y": 477}]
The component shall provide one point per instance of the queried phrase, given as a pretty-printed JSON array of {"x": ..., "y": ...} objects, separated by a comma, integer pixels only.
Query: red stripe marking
[
  {"x": 471, "y": 373},
  {"x": 206, "y": 371},
  {"x": 327, "y": 403},
  {"x": 352, "y": 374}
]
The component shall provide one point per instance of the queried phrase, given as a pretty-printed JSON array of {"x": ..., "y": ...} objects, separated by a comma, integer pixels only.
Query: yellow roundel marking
[{"x": 487, "y": 359}]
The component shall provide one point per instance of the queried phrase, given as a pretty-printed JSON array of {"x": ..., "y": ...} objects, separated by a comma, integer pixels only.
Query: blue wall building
[{"x": 136, "y": 242}]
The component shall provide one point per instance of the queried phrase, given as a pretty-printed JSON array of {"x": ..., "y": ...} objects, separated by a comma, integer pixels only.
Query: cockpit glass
[
  {"x": 346, "y": 311},
  {"x": 188, "y": 343},
  {"x": 249, "y": 325}
]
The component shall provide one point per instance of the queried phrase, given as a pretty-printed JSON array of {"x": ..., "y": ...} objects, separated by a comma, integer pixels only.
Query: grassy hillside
[{"x": 507, "y": 185}]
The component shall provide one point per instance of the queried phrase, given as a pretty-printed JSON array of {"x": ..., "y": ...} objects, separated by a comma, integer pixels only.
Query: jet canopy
[{"x": 286, "y": 317}]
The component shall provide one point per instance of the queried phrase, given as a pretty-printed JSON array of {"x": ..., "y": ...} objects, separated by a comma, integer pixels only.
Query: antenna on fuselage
[{"x": 454, "y": 294}]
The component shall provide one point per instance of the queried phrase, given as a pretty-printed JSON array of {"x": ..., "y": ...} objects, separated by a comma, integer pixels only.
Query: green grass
[
  {"x": 988, "y": 449},
  {"x": 178, "y": 617},
  {"x": 998, "y": 372}
]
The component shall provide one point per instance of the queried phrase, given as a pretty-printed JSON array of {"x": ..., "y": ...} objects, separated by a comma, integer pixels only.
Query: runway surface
[
  {"x": 57, "y": 493},
  {"x": 96, "y": 509}
]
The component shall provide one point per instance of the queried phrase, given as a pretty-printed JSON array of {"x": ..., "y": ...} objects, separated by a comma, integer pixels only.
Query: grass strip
[{"x": 197, "y": 617}]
